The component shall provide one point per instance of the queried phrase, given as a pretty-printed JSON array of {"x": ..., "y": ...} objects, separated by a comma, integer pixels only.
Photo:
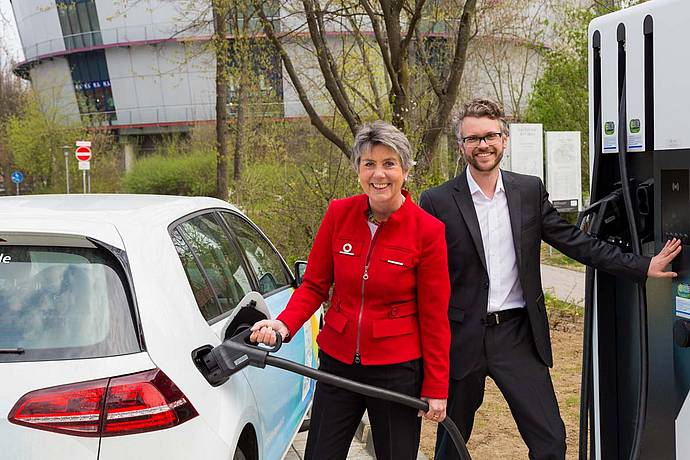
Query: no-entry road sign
[{"x": 83, "y": 153}]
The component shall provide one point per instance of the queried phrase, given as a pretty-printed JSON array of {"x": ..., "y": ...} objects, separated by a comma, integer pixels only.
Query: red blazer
[{"x": 391, "y": 293}]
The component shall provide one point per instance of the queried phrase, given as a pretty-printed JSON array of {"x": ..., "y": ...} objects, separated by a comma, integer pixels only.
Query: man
[{"x": 495, "y": 221}]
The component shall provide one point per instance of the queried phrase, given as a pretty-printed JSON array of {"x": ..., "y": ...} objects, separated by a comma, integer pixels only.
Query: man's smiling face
[{"x": 486, "y": 155}]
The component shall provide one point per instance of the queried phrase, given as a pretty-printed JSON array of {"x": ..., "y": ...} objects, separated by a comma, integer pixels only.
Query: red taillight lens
[
  {"x": 145, "y": 401},
  {"x": 70, "y": 409}
]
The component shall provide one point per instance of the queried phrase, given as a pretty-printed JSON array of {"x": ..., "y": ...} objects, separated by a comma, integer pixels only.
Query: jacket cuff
[
  {"x": 434, "y": 390},
  {"x": 292, "y": 328},
  {"x": 644, "y": 268}
]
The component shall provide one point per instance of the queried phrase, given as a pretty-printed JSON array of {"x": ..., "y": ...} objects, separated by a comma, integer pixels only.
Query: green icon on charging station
[
  {"x": 609, "y": 128},
  {"x": 635, "y": 125}
]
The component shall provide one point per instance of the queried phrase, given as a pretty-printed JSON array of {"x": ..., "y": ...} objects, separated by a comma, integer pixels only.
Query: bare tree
[
  {"x": 508, "y": 51},
  {"x": 399, "y": 35}
]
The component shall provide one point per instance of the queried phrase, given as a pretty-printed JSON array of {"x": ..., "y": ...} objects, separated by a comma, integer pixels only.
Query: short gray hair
[{"x": 381, "y": 133}]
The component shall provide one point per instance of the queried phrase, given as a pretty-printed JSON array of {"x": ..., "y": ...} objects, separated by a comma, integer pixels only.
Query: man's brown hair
[{"x": 480, "y": 108}]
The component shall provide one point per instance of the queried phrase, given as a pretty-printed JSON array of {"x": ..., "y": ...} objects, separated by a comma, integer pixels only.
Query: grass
[
  {"x": 560, "y": 309},
  {"x": 551, "y": 256}
]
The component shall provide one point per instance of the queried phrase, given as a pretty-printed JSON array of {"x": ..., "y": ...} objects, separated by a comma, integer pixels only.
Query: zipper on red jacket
[{"x": 365, "y": 277}]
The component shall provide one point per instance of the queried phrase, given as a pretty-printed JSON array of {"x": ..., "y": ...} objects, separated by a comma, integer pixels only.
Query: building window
[
  {"x": 92, "y": 83},
  {"x": 267, "y": 79},
  {"x": 79, "y": 22},
  {"x": 248, "y": 22}
]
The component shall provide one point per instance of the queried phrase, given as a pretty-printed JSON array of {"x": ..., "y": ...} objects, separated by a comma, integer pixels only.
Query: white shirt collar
[{"x": 474, "y": 187}]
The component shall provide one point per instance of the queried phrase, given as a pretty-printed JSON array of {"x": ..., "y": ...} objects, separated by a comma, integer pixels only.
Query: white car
[{"x": 103, "y": 298}]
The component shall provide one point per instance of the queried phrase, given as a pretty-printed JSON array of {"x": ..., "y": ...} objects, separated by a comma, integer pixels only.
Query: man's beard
[{"x": 486, "y": 167}]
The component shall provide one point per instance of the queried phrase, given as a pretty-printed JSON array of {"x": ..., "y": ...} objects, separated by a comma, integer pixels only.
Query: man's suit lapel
[
  {"x": 463, "y": 199},
  {"x": 514, "y": 209}
]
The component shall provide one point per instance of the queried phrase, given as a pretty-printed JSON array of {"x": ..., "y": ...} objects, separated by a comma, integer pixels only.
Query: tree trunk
[
  {"x": 452, "y": 87},
  {"x": 220, "y": 45},
  {"x": 242, "y": 102}
]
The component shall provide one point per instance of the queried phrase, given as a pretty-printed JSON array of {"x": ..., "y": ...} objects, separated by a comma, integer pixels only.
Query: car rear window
[{"x": 63, "y": 303}]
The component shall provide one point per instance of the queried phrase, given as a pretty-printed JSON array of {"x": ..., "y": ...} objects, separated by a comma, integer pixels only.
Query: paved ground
[
  {"x": 568, "y": 285},
  {"x": 358, "y": 450},
  {"x": 362, "y": 447}
]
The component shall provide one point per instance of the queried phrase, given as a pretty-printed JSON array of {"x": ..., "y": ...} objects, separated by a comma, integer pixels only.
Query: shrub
[{"x": 192, "y": 175}]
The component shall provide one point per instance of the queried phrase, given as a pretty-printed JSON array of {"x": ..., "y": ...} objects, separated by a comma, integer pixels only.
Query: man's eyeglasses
[{"x": 490, "y": 138}]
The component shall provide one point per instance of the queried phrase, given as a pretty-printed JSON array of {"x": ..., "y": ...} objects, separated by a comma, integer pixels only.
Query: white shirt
[
  {"x": 505, "y": 291},
  {"x": 372, "y": 228}
]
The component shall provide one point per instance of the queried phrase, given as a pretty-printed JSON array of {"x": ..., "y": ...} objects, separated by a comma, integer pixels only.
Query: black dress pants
[
  {"x": 510, "y": 358},
  {"x": 336, "y": 413}
]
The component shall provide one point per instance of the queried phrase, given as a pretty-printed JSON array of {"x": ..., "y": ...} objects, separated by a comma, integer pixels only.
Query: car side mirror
[{"x": 300, "y": 269}]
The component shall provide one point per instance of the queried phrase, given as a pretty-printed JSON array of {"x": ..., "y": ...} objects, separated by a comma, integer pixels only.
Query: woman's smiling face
[{"x": 381, "y": 176}]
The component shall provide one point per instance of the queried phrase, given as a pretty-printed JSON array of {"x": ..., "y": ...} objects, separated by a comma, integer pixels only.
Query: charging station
[{"x": 636, "y": 358}]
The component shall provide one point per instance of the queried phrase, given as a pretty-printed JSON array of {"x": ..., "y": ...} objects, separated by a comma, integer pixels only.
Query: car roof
[
  {"x": 151, "y": 208},
  {"x": 100, "y": 216}
]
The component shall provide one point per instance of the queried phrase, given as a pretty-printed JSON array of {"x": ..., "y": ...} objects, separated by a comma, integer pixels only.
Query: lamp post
[{"x": 65, "y": 150}]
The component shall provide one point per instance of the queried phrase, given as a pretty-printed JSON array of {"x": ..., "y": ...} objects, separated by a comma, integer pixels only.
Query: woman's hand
[
  {"x": 264, "y": 331},
  {"x": 437, "y": 410}
]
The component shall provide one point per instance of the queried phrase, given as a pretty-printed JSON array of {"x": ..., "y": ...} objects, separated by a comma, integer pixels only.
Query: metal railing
[{"x": 121, "y": 34}]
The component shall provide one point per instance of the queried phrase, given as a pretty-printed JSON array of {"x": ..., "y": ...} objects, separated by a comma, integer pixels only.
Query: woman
[{"x": 388, "y": 321}]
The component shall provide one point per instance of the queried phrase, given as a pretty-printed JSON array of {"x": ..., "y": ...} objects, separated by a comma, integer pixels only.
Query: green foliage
[
  {"x": 286, "y": 187},
  {"x": 559, "y": 309},
  {"x": 35, "y": 139},
  {"x": 559, "y": 98},
  {"x": 290, "y": 175},
  {"x": 192, "y": 174}
]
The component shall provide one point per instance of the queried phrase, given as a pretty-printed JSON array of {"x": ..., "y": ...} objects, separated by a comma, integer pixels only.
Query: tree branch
[
  {"x": 367, "y": 66},
  {"x": 332, "y": 78},
  {"x": 433, "y": 80},
  {"x": 414, "y": 21},
  {"x": 296, "y": 82},
  {"x": 451, "y": 87},
  {"x": 383, "y": 45}
]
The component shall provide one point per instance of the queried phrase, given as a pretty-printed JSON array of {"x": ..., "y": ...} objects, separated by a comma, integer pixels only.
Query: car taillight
[
  {"x": 72, "y": 409},
  {"x": 135, "y": 403},
  {"x": 144, "y": 402}
]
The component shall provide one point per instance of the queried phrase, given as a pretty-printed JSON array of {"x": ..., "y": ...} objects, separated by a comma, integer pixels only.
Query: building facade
[{"x": 145, "y": 67}]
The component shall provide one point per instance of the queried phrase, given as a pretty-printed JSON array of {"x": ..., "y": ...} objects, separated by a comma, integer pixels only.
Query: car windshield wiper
[{"x": 12, "y": 351}]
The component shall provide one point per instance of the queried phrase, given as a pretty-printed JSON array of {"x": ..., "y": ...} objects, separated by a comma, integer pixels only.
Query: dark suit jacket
[{"x": 532, "y": 219}]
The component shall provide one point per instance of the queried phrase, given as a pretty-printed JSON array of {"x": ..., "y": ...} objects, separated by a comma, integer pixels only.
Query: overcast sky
[{"x": 9, "y": 38}]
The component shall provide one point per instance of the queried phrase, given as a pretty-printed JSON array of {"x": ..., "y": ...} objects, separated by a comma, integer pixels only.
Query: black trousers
[
  {"x": 336, "y": 413},
  {"x": 510, "y": 358}
]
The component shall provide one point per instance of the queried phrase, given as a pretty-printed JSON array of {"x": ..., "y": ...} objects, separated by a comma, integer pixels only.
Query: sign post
[
  {"x": 83, "y": 154},
  {"x": 17, "y": 177},
  {"x": 65, "y": 151}
]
